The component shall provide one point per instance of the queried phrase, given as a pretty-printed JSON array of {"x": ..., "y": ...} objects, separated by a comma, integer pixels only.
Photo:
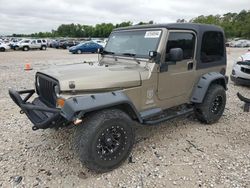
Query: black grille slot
[
  {"x": 45, "y": 86},
  {"x": 245, "y": 70}
]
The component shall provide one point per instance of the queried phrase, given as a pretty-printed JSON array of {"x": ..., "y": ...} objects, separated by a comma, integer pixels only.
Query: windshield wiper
[
  {"x": 132, "y": 55},
  {"x": 129, "y": 54},
  {"x": 110, "y": 53},
  {"x": 107, "y": 52}
]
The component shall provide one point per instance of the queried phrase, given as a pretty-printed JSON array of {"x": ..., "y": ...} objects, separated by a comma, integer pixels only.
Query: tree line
[
  {"x": 234, "y": 25},
  {"x": 81, "y": 31}
]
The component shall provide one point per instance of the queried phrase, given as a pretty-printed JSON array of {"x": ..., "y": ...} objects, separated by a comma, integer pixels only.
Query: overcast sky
[{"x": 28, "y": 16}]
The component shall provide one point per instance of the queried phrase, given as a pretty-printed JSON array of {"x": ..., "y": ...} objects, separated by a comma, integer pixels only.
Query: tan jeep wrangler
[{"x": 146, "y": 74}]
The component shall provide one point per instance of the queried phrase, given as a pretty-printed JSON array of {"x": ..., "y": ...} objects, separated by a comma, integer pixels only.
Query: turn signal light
[{"x": 60, "y": 102}]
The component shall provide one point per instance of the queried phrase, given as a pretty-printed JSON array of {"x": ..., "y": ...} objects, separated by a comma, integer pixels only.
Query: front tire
[
  {"x": 43, "y": 48},
  {"x": 2, "y": 49},
  {"x": 213, "y": 105},
  {"x": 26, "y": 48},
  {"x": 105, "y": 140},
  {"x": 79, "y": 52}
]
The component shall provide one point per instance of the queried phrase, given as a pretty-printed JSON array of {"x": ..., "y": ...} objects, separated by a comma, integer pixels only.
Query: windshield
[{"x": 137, "y": 43}]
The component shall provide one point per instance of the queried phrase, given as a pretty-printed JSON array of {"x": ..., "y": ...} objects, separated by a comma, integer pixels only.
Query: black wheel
[
  {"x": 26, "y": 48},
  {"x": 15, "y": 48},
  {"x": 43, "y": 48},
  {"x": 105, "y": 140},
  {"x": 212, "y": 108},
  {"x": 2, "y": 49}
]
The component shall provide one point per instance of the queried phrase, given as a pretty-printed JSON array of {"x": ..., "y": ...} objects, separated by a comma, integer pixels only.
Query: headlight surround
[{"x": 57, "y": 90}]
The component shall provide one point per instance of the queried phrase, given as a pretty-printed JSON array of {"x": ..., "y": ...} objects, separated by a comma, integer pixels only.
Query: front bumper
[
  {"x": 240, "y": 81},
  {"x": 37, "y": 111}
]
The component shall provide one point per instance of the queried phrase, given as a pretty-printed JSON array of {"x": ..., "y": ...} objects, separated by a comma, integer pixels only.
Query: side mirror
[
  {"x": 175, "y": 54},
  {"x": 152, "y": 54}
]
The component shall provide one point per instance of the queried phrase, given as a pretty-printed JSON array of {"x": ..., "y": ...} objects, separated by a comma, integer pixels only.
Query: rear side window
[
  {"x": 212, "y": 48},
  {"x": 185, "y": 41}
]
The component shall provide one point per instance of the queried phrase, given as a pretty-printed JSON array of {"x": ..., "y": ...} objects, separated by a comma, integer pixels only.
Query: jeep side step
[{"x": 167, "y": 115}]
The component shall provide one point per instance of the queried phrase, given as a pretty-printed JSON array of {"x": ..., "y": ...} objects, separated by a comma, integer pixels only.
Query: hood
[
  {"x": 87, "y": 76},
  {"x": 246, "y": 56}
]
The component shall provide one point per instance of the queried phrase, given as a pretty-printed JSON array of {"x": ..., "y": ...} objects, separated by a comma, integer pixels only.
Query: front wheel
[
  {"x": 79, "y": 51},
  {"x": 213, "y": 105},
  {"x": 43, "y": 48},
  {"x": 105, "y": 140},
  {"x": 2, "y": 49},
  {"x": 26, "y": 48}
]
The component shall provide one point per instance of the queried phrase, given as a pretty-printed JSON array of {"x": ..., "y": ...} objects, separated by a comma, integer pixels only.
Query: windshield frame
[{"x": 134, "y": 30}]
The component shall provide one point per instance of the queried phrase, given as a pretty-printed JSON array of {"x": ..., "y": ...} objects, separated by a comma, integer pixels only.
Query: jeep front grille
[
  {"x": 245, "y": 70},
  {"x": 45, "y": 88}
]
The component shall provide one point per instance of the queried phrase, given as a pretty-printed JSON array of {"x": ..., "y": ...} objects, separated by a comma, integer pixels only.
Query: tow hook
[{"x": 77, "y": 121}]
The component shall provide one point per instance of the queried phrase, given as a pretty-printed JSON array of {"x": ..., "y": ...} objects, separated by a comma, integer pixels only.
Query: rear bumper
[
  {"x": 240, "y": 81},
  {"x": 37, "y": 111}
]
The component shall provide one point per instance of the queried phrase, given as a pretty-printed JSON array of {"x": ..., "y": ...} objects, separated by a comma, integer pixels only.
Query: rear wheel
[
  {"x": 105, "y": 140},
  {"x": 213, "y": 105},
  {"x": 2, "y": 49}
]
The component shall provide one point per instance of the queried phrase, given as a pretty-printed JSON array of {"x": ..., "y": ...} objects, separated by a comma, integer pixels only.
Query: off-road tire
[
  {"x": 213, "y": 105},
  {"x": 2, "y": 49},
  {"x": 92, "y": 139},
  {"x": 26, "y": 48}
]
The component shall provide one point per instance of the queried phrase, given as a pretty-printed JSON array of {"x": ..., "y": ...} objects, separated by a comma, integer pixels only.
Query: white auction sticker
[{"x": 152, "y": 34}]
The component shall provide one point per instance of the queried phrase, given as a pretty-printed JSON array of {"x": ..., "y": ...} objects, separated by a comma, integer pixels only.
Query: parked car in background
[
  {"x": 14, "y": 42},
  {"x": 85, "y": 47},
  {"x": 55, "y": 44},
  {"x": 68, "y": 43},
  {"x": 239, "y": 43},
  {"x": 241, "y": 70},
  {"x": 4, "y": 47},
  {"x": 49, "y": 42},
  {"x": 28, "y": 44},
  {"x": 101, "y": 42}
]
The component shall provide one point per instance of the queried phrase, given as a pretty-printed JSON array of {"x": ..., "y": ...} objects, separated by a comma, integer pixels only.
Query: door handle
[{"x": 190, "y": 65}]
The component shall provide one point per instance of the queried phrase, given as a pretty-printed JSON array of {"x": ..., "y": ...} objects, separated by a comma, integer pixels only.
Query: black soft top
[
  {"x": 199, "y": 29},
  {"x": 180, "y": 26}
]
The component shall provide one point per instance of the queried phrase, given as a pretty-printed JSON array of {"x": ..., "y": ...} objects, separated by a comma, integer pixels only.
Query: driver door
[
  {"x": 176, "y": 79},
  {"x": 33, "y": 44}
]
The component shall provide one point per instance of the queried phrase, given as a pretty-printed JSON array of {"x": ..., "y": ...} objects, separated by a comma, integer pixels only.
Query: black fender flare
[
  {"x": 200, "y": 90},
  {"x": 77, "y": 107}
]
